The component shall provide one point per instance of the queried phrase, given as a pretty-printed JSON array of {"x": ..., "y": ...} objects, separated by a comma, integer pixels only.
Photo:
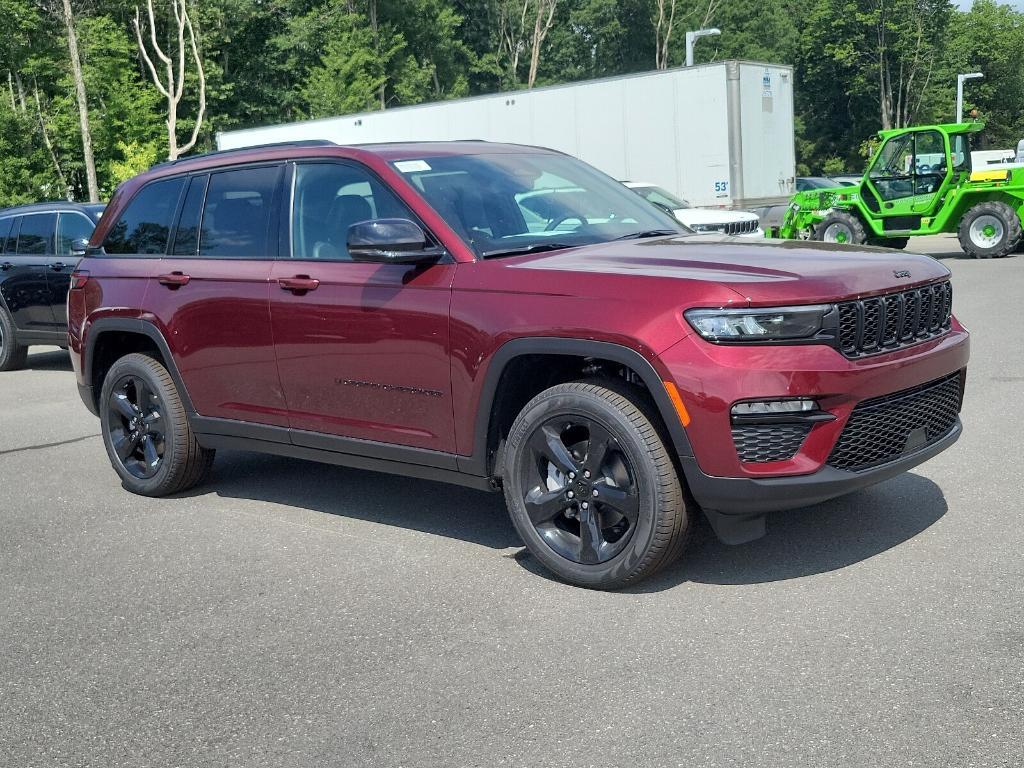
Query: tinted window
[
  {"x": 36, "y": 236},
  {"x": 236, "y": 217},
  {"x": 5, "y": 232},
  {"x": 71, "y": 227},
  {"x": 146, "y": 223},
  {"x": 329, "y": 198},
  {"x": 186, "y": 237}
]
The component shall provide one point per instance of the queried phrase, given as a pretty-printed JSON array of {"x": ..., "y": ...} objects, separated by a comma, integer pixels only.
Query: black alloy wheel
[
  {"x": 135, "y": 421},
  {"x": 146, "y": 429},
  {"x": 590, "y": 486},
  {"x": 580, "y": 489}
]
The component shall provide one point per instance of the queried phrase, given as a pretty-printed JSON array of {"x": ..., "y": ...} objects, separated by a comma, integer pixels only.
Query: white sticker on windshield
[{"x": 412, "y": 166}]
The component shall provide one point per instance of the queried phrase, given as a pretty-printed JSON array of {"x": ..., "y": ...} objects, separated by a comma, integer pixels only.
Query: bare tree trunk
[
  {"x": 65, "y": 187},
  {"x": 21, "y": 92},
  {"x": 10, "y": 87},
  {"x": 663, "y": 25},
  {"x": 172, "y": 86},
  {"x": 83, "y": 104},
  {"x": 541, "y": 27}
]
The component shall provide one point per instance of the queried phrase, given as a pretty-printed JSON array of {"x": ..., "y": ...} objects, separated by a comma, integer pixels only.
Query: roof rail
[{"x": 269, "y": 145}]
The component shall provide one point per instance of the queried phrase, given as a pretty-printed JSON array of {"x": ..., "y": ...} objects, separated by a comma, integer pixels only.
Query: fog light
[{"x": 766, "y": 407}]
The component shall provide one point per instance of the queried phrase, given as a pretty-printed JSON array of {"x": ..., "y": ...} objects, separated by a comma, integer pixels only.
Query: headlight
[{"x": 773, "y": 324}]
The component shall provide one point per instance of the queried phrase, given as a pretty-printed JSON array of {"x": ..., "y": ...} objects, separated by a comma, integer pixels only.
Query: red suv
[{"x": 508, "y": 318}]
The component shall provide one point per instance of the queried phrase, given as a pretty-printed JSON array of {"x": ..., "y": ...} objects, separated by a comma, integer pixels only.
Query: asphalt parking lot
[{"x": 293, "y": 614}]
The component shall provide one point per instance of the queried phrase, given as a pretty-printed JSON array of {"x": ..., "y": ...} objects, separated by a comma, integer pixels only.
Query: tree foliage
[{"x": 860, "y": 65}]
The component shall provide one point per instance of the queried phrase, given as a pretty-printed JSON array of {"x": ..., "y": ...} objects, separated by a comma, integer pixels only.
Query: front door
[
  {"x": 909, "y": 176},
  {"x": 71, "y": 226},
  {"x": 363, "y": 349},
  {"x": 23, "y": 267}
]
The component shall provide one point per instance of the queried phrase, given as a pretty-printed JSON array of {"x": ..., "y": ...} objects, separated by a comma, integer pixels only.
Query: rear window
[
  {"x": 145, "y": 224},
  {"x": 237, "y": 213},
  {"x": 36, "y": 236},
  {"x": 5, "y": 234}
]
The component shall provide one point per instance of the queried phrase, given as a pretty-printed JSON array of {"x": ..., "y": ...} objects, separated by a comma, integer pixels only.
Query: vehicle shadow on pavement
[
  {"x": 800, "y": 542},
  {"x": 405, "y": 502},
  {"x": 818, "y": 539},
  {"x": 55, "y": 360}
]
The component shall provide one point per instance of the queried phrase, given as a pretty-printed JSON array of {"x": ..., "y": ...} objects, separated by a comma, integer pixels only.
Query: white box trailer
[{"x": 717, "y": 134}]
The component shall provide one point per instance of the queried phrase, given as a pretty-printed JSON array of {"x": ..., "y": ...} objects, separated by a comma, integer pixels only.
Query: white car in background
[{"x": 738, "y": 223}]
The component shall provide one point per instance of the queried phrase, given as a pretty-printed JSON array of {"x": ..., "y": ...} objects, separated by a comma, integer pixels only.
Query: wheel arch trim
[
  {"x": 141, "y": 328},
  {"x": 477, "y": 462}
]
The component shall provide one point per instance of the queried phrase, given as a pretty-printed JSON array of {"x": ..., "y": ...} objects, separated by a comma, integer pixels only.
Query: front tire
[
  {"x": 146, "y": 430},
  {"x": 591, "y": 488},
  {"x": 989, "y": 230},
  {"x": 841, "y": 227},
  {"x": 12, "y": 354}
]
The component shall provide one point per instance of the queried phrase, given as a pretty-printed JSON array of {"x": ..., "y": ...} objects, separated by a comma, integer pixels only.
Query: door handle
[
  {"x": 174, "y": 280},
  {"x": 6, "y": 265},
  {"x": 58, "y": 266},
  {"x": 299, "y": 285}
]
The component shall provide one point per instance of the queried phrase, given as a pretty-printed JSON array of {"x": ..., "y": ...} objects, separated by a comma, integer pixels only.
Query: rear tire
[
  {"x": 146, "y": 431},
  {"x": 989, "y": 230},
  {"x": 591, "y": 488},
  {"x": 12, "y": 354},
  {"x": 842, "y": 228}
]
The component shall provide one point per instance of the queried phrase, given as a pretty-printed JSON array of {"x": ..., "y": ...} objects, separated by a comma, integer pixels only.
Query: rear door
[
  {"x": 23, "y": 268},
  {"x": 211, "y": 294},
  {"x": 71, "y": 226},
  {"x": 365, "y": 353}
]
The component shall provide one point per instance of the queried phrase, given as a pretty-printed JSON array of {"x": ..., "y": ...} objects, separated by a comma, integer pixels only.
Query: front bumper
[
  {"x": 736, "y": 506},
  {"x": 711, "y": 378}
]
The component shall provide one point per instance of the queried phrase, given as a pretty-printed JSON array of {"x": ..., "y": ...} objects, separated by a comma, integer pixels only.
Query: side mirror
[
  {"x": 390, "y": 241},
  {"x": 79, "y": 246}
]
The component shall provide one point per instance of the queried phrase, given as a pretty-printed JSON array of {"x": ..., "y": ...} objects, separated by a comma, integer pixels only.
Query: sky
[{"x": 1018, "y": 4}]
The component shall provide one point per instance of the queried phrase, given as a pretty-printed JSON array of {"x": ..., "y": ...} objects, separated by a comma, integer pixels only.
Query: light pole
[
  {"x": 691, "y": 38},
  {"x": 960, "y": 92}
]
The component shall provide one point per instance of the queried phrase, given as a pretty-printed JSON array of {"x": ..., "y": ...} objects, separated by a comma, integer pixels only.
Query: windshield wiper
[
  {"x": 649, "y": 233},
  {"x": 524, "y": 249}
]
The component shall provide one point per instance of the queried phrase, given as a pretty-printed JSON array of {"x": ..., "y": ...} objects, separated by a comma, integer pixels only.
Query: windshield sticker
[{"x": 412, "y": 166}]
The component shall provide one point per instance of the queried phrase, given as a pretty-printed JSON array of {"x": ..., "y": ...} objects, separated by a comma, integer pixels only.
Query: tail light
[{"x": 79, "y": 278}]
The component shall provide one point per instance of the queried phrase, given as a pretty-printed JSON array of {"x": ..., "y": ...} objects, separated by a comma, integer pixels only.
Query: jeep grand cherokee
[{"x": 511, "y": 319}]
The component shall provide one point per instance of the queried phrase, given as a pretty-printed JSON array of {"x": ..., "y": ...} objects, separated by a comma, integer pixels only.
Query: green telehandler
[{"x": 919, "y": 182}]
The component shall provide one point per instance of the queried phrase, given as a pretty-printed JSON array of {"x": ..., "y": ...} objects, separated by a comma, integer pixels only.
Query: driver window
[
  {"x": 908, "y": 165},
  {"x": 329, "y": 198}
]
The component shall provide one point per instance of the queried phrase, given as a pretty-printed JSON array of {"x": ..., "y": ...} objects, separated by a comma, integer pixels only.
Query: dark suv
[
  {"x": 506, "y": 318},
  {"x": 39, "y": 247}
]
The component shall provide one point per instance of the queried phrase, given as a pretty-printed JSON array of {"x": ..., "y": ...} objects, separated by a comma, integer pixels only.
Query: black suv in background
[{"x": 38, "y": 252}]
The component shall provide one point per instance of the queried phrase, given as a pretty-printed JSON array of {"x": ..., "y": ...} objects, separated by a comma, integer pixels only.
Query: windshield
[
  {"x": 506, "y": 203},
  {"x": 659, "y": 196}
]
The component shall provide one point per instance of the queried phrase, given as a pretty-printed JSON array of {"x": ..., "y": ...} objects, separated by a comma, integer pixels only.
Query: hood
[
  {"x": 691, "y": 216},
  {"x": 767, "y": 272}
]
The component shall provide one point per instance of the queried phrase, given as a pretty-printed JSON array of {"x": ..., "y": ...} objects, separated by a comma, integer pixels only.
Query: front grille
[
  {"x": 738, "y": 227},
  {"x": 758, "y": 443},
  {"x": 894, "y": 321},
  {"x": 885, "y": 428}
]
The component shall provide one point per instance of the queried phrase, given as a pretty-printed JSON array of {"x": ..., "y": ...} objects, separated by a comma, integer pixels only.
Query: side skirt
[{"x": 330, "y": 449}]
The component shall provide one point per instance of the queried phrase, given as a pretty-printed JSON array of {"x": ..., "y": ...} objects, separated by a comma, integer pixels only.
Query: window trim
[{"x": 287, "y": 235}]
